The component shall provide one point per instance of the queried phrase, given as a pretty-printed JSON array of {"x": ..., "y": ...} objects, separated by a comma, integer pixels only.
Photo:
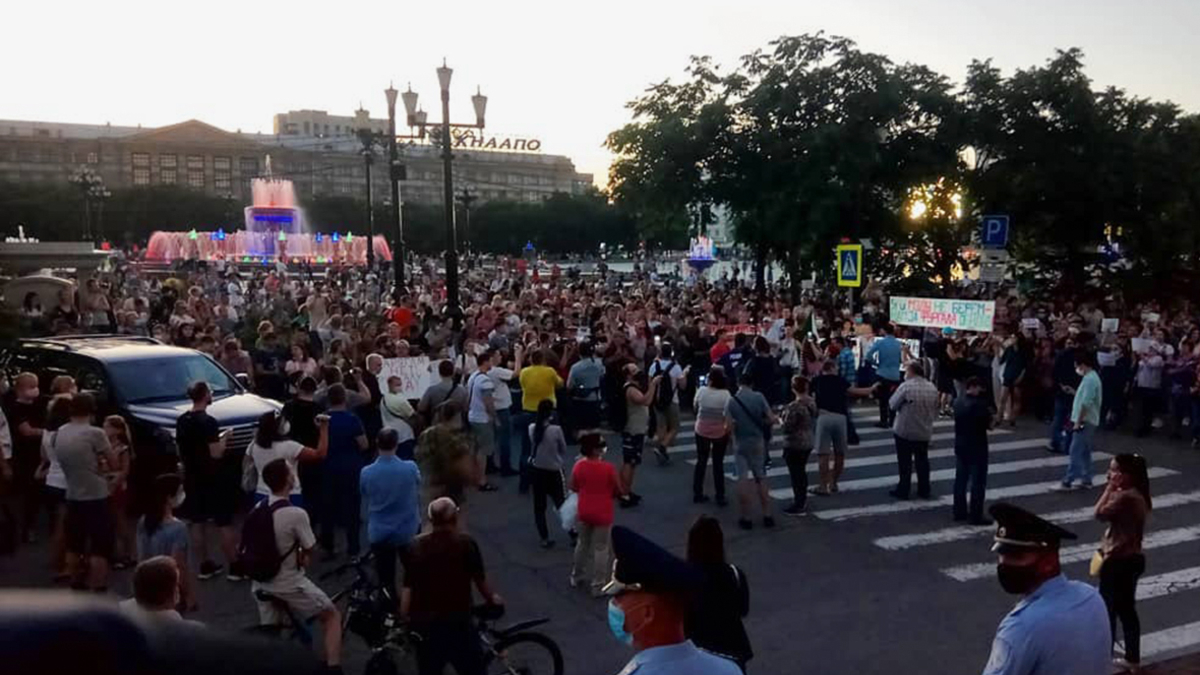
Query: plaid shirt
[
  {"x": 846, "y": 366},
  {"x": 916, "y": 406}
]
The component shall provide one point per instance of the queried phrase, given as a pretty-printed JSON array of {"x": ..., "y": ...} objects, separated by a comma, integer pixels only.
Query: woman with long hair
[
  {"x": 546, "y": 466},
  {"x": 159, "y": 532},
  {"x": 121, "y": 441},
  {"x": 270, "y": 443},
  {"x": 714, "y": 620},
  {"x": 712, "y": 435},
  {"x": 1124, "y": 505}
]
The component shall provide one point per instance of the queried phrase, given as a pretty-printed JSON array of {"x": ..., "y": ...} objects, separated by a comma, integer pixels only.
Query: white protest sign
[
  {"x": 1109, "y": 325},
  {"x": 968, "y": 315},
  {"x": 414, "y": 373}
]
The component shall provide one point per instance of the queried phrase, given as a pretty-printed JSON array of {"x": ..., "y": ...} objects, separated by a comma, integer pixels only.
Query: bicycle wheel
[{"x": 525, "y": 654}]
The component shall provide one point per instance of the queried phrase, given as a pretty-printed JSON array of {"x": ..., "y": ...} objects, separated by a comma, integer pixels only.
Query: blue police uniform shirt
[
  {"x": 889, "y": 350},
  {"x": 684, "y": 658},
  {"x": 1059, "y": 629}
]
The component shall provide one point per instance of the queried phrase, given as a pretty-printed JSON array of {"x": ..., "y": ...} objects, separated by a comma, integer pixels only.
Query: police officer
[
  {"x": 651, "y": 591},
  {"x": 1059, "y": 627}
]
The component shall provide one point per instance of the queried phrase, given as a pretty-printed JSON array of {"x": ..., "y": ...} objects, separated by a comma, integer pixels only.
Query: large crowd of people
[{"x": 533, "y": 366}]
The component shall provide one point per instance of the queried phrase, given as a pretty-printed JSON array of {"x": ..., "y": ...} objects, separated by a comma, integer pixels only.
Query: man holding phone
[{"x": 211, "y": 480}]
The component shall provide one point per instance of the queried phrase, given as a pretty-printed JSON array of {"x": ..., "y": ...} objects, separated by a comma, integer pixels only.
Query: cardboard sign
[
  {"x": 414, "y": 373},
  {"x": 969, "y": 315},
  {"x": 1031, "y": 324},
  {"x": 1109, "y": 325}
]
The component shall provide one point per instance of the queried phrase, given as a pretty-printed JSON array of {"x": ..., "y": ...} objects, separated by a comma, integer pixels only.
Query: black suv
[{"x": 142, "y": 380}]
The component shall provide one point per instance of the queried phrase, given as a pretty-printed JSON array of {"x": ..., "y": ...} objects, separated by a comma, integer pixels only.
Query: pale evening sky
[{"x": 558, "y": 71}]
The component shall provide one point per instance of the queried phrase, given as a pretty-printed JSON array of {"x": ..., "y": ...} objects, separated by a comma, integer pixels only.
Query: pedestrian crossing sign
[{"x": 849, "y": 265}]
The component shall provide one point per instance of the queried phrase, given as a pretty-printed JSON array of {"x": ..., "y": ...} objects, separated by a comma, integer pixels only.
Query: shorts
[
  {"x": 90, "y": 528},
  {"x": 668, "y": 418},
  {"x": 831, "y": 433},
  {"x": 484, "y": 434},
  {"x": 302, "y": 596},
  {"x": 210, "y": 504},
  {"x": 750, "y": 459},
  {"x": 631, "y": 448},
  {"x": 53, "y": 497}
]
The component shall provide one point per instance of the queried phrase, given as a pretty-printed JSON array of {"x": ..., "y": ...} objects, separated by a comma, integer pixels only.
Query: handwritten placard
[
  {"x": 414, "y": 373},
  {"x": 1109, "y": 325},
  {"x": 970, "y": 315}
]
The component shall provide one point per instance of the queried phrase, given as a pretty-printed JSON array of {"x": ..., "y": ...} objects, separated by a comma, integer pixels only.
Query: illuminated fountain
[
  {"x": 275, "y": 230},
  {"x": 702, "y": 254}
]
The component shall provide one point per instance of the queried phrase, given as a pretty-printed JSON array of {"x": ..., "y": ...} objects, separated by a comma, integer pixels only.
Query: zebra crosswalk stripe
[
  {"x": 1170, "y": 640},
  {"x": 1012, "y": 492},
  {"x": 942, "y": 475},
  {"x": 689, "y": 434},
  {"x": 874, "y": 443},
  {"x": 949, "y": 534},
  {"x": 1081, "y": 552},
  {"x": 890, "y": 458},
  {"x": 1186, "y": 579}
]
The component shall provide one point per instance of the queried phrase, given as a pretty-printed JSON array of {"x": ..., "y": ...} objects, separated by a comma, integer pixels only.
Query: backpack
[
  {"x": 258, "y": 555},
  {"x": 665, "y": 396}
]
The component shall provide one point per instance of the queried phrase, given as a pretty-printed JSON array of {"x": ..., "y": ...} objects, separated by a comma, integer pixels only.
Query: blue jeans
[
  {"x": 1060, "y": 438},
  {"x": 504, "y": 438},
  {"x": 1079, "y": 466},
  {"x": 521, "y": 422}
]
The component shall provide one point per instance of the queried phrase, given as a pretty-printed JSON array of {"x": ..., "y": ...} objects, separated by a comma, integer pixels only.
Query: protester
[
  {"x": 391, "y": 489},
  {"x": 156, "y": 591},
  {"x": 714, "y": 620},
  {"x": 1124, "y": 505},
  {"x": 443, "y": 567},
  {"x": 397, "y": 414},
  {"x": 211, "y": 481},
  {"x": 752, "y": 419},
  {"x": 1065, "y": 380},
  {"x": 638, "y": 395},
  {"x": 584, "y": 381},
  {"x": 26, "y": 414},
  {"x": 54, "y": 493},
  {"x": 886, "y": 351},
  {"x": 915, "y": 403},
  {"x": 597, "y": 485},
  {"x": 117, "y": 475},
  {"x": 347, "y": 442},
  {"x": 538, "y": 383},
  {"x": 269, "y": 445},
  {"x": 443, "y": 453},
  {"x": 546, "y": 466},
  {"x": 481, "y": 414},
  {"x": 712, "y": 428},
  {"x": 83, "y": 451},
  {"x": 973, "y": 418},
  {"x": 798, "y": 421},
  {"x": 291, "y": 539},
  {"x": 1085, "y": 418},
  {"x": 831, "y": 393},
  {"x": 160, "y": 533},
  {"x": 666, "y": 400}
]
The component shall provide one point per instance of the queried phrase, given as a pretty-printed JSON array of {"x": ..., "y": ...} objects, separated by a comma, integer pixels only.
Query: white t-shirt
[
  {"x": 288, "y": 450},
  {"x": 502, "y": 396},
  {"x": 660, "y": 367},
  {"x": 479, "y": 387},
  {"x": 55, "y": 477}
]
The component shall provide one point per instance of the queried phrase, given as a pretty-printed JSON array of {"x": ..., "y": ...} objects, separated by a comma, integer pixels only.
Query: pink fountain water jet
[{"x": 275, "y": 230}]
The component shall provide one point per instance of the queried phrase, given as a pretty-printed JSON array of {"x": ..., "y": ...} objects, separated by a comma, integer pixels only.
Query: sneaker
[
  {"x": 820, "y": 491},
  {"x": 637, "y": 499},
  {"x": 547, "y": 544},
  {"x": 572, "y": 581},
  {"x": 700, "y": 499},
  {"x": 795, "y": 511},
  {"x": 626, "y": 502},
  {"x": 833, "y": 488},
  {"x": 896, "y": 494},
  {"x": 209, "y": 569},
  {"x": 488, "y": 487},
  {"x": 745, "y": 524},
  {"x": 768, "y": 522},
  {"x": 663, "y": 457},
  {"x": 1083, "y": 487},
  {"x": 235, "y": 573},
  {"x": 1064, "y": 487}
]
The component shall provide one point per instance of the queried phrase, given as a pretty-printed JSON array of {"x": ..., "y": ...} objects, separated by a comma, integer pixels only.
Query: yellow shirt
[{"x": 538, "y": 384}]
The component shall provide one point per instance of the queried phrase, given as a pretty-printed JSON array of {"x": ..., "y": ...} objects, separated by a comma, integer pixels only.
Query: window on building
[
  {"x": 195, "y": 171},
  {"x": 168, "y": 176},
  {"x": 222, "y": 174},
  {"x": 93, "y": 158},
  {"x": 141, "y": 168}
]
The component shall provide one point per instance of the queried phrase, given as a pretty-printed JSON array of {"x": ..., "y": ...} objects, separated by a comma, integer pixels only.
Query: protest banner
[
  {"x": 968, "y": 315},
  {"x": 1109, "y": 325},
  {"x": 414, "y": 373}
]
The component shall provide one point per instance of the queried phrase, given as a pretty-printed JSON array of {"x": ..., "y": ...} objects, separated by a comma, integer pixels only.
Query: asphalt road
[{"x": 863, "y": 585}]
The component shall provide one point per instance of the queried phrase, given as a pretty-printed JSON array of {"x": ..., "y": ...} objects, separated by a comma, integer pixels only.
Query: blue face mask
[{"x": 616, "y": 623}]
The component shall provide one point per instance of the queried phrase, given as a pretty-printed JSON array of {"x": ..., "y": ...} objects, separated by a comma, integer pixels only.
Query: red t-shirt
[
  {"x": 596, "y": 482},
  {"x": 718, "y": 350}
]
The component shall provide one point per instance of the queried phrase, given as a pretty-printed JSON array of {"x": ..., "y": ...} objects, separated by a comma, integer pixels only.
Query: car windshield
[{"x": 166, "y": 379}]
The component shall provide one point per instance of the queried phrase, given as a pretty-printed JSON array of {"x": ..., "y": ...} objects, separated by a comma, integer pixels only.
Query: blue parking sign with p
[
  {"x": 849, "y": 265},
  {"x": 994, "y": 231}
]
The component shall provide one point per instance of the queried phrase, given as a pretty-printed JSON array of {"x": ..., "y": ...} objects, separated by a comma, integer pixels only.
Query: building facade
[
  {"x": 222, "y": 163},
  {"x": 320, "y": 124}
]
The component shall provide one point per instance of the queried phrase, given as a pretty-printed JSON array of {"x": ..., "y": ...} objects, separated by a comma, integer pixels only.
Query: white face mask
[{"x": 178, "y": 499}]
